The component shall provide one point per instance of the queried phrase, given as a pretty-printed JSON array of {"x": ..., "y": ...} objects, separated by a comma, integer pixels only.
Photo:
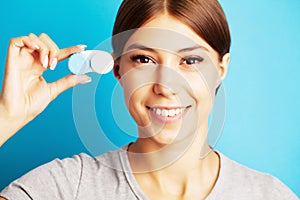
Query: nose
[{"x": 165, "y": 83}]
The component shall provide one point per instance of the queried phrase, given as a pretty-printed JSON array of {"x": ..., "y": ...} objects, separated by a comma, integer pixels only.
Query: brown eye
[
  {"x": 192, "y": 60},
  {"x": 141, "y": 59}
]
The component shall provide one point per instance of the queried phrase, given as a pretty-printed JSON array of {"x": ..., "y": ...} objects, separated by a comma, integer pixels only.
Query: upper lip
[{"x": 168, "y": 107}]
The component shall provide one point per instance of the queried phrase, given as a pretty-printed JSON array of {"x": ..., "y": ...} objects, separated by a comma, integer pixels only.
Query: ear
[
  {"x": 223, "y": 68},
  {"x": 116, "y": 67},
  {"x": 117, "y": 73}
]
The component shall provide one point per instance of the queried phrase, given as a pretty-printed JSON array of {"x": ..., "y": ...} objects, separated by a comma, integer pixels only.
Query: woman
[{"x": 170, "y": 60}]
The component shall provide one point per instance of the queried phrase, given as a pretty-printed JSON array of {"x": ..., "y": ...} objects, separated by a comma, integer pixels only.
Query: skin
[{"x": 186, "y": 176}]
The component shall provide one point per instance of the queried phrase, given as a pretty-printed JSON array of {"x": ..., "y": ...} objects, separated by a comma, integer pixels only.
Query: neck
[{"x": 181, "y": 167}]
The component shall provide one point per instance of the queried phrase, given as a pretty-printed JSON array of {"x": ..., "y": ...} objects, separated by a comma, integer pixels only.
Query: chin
[
  {"x": 167, "y": 137},
  {"x": 163, "y": 140}
]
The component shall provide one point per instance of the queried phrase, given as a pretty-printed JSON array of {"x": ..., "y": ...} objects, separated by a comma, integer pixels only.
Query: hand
[{"x": 25, "y": 93}]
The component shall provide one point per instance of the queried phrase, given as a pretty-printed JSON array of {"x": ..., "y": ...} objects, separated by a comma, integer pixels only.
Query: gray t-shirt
[{"x": 109, "y": 177}]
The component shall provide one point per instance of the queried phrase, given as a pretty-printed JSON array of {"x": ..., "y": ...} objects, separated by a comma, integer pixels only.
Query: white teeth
[
  {"x": 158, "y": 111},
  {"x": 170, "y": 113},
  {"x": 164, "y": 113}
]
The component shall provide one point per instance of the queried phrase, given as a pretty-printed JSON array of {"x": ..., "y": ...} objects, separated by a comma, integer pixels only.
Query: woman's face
[{"x": 169, "y": 75}]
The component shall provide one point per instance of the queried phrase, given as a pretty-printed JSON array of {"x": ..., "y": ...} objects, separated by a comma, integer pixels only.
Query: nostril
[{"x": 163, "y": 90}]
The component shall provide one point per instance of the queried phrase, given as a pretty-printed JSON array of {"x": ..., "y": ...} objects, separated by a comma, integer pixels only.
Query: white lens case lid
[{"x": 87, "y": 61}]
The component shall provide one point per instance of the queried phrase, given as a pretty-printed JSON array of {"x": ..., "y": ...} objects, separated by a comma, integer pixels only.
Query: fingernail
[
  {"x": 82, "y": 46},
  {"x": 83, "y": 79},
  {"x": 35, "y": 45},
  {"x": 53, "y": 64},
  {"x": 45, "y": 62}
]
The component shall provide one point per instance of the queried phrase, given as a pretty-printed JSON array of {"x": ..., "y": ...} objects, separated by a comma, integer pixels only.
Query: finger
[
  {"x": 53, "y": 50},
  {"x": 17, "y": 43},
  {"x": 67, "y": 52},
  {"x": 65, "y": 83},
  {"x": 43, "y": 50}
]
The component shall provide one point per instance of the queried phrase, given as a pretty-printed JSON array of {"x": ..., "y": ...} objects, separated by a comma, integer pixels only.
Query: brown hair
[{"x": 205, "y": 17}]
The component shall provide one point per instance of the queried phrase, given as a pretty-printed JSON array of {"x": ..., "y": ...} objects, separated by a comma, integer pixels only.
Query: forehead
[{"x": 167, "y": 33}]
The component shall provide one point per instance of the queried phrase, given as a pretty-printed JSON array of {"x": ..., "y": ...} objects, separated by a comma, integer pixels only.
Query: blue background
[{"x": 262, "y": 87}]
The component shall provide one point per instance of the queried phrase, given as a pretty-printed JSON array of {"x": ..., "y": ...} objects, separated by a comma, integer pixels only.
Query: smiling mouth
[{"x": 168, "y": 115}]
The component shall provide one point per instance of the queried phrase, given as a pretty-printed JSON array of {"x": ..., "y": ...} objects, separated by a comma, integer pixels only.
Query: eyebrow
[
  {"x": 140, "y": 47},
  {"x": 145, "y": 48},
  {"x": 192, "y": 49}
]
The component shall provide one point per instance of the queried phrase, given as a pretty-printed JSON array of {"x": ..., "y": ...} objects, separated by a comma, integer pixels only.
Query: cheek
[
  {"x": 134, "y": 78},
  {"x": 136, "y": 107},
  {"x": 204, "y": 88},
  {"x": 207, "y": 78}
]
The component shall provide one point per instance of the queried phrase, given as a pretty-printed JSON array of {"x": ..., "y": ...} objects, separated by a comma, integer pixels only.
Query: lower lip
[{"x": 168, "y": 119}]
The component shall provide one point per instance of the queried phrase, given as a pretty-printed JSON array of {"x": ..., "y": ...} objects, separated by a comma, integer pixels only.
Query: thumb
[{"x": 65, "y": 83}]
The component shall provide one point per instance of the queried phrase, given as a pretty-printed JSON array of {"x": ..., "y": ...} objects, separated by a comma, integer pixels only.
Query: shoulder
[
  {"x": 46, "y": 180},
  {"x": 77, "y": 166},
  {"x": 238, "y": 181},
  {"x": 84, "y": 161},
  {"x": 69, "y": 168},
  {"x": 67, "y": 175}
]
